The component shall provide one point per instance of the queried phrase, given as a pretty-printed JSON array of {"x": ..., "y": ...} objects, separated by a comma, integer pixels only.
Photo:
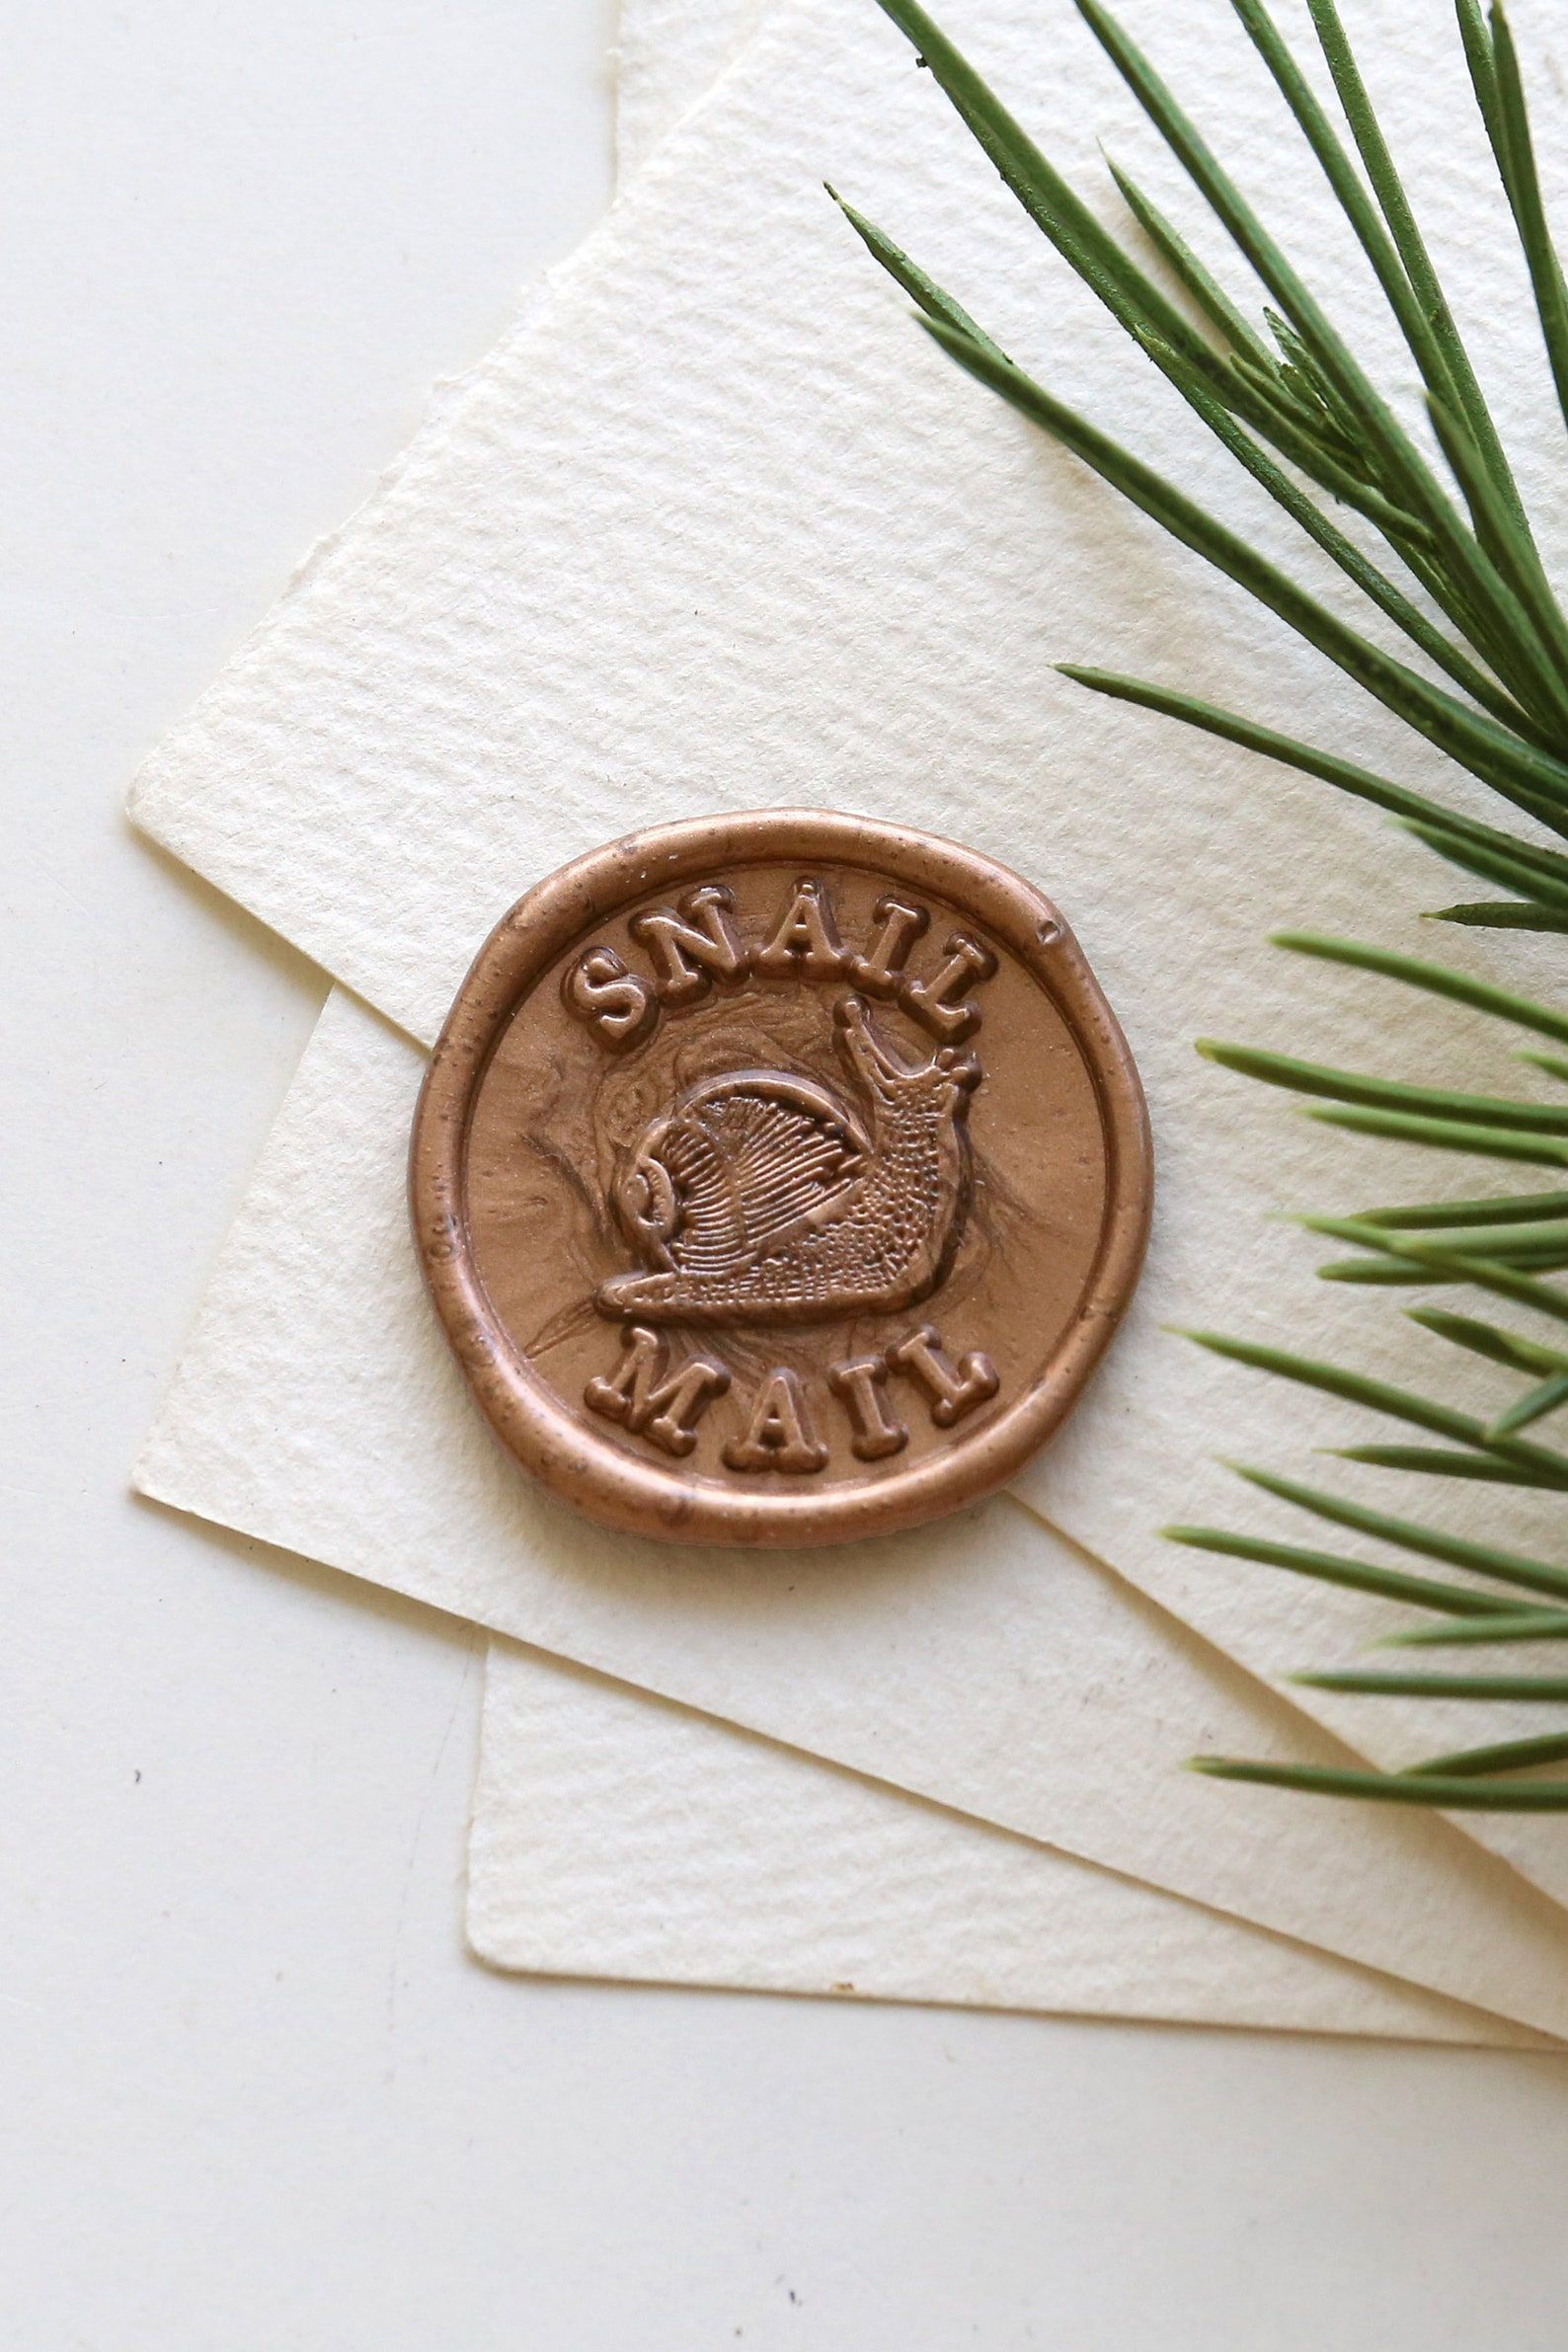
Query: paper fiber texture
[
  {"x": 984, "y": 1662},
  {"x": 724, "y": 524},
  {"x": 668, "y": 54},
  {"x": 618, "y": 1835}
]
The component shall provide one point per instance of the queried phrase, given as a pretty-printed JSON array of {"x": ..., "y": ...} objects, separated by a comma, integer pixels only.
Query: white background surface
[{"x": 254, "y": 2095}]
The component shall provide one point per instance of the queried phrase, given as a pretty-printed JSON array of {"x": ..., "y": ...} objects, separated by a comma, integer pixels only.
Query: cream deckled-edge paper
[
  {"x": 703, "y": 1880},
  {"x": 620, "y": 1836},
  {"x": 1046, "y": 878},
  {"x": 457, "y": 779},
  {"x": 671, "y": 1847},
  {"x": 984, "y": 1662}
]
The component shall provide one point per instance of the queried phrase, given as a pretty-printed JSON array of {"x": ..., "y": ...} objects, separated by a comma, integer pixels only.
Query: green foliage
[{"x": 1463, "y": 583}]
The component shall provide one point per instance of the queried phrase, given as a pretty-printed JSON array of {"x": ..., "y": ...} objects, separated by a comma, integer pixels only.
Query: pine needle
[
  {"x": 1294, "y": 405},
  {"x": 1453, "y": 1792}
]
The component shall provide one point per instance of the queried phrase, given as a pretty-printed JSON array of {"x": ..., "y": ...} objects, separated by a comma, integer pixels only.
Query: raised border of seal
[{"x": 601, "y": 1477}]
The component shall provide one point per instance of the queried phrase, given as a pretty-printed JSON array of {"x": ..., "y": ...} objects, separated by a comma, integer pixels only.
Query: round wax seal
[{"x": 779, "y": 1179}]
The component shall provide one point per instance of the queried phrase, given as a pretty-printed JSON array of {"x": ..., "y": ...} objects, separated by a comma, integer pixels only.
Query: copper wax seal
[{"x": 779, "y": 1179}]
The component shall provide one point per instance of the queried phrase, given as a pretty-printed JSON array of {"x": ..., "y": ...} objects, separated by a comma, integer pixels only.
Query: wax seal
[{"x": 779, "y": 1179}]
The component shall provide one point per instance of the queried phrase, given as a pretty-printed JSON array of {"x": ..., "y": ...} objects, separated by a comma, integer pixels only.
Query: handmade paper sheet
[
  {"x": 570, "y": 1753},
  {"x": 984, "y": 1662},
  {"x": 566, "y": 1750},
  {"x": 615, "y": 1833},
  {"x": 617, "y": 1836},
  {"x": 572, "y": 1737},
  {"x": 382, "y": 750},
  {"x": 508, "y": 649}
]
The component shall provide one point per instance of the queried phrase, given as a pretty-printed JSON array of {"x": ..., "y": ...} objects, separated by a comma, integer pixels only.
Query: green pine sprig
[{"x": 1288, "y": 399}]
